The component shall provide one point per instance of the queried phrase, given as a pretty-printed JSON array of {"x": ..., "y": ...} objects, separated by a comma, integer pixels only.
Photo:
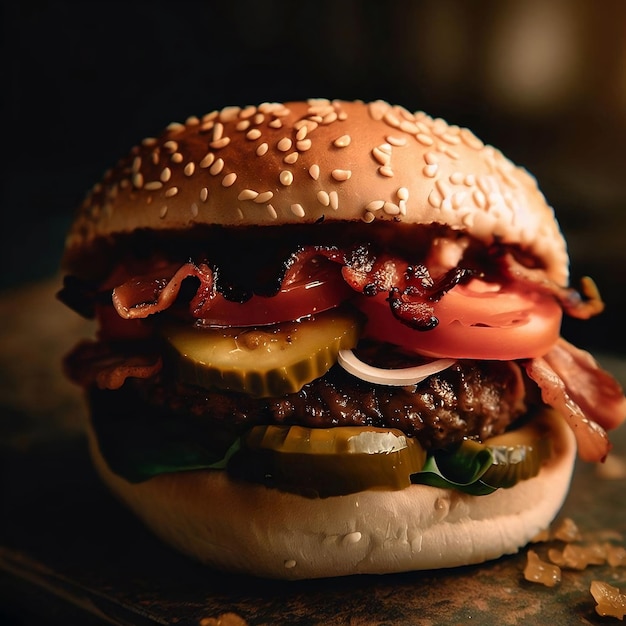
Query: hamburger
[{"x": 328, "y": 342}]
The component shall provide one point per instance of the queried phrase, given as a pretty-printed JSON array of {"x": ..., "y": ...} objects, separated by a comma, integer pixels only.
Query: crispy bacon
[
  {"x": 588, "y": 397},
  {"x": 570, "y": 299},
  {"x": 151, "y": 293},
  {"x": 100, "y": 363}
]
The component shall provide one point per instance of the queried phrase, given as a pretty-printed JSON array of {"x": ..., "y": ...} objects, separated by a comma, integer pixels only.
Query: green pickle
[
  {"x": 262, "y": 361},
  {"x": 323, "y": 462},
  {"x": 517, "y": 455}
]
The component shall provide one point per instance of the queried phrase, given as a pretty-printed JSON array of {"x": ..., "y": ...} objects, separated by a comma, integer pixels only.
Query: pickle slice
[
  {"x": 519, "y": 454},
  {"x": 262, "y": 361},
  {"x": 323, "y": 462}
]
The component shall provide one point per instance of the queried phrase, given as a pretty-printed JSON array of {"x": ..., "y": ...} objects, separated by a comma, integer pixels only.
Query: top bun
[{"x": 301, "y": 162}]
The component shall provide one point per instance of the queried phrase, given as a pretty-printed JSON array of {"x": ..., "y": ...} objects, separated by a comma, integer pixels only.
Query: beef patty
[{"x": 471, "y": 399}]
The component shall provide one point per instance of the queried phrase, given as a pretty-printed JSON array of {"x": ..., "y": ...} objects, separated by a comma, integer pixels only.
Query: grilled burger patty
[{"x": 471, "y": 399}]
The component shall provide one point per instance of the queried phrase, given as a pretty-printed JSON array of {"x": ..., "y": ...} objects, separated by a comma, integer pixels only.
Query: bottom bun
[{"x": 248, "y": 528}]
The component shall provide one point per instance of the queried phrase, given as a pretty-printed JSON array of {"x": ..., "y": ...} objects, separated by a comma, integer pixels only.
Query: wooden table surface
[{"x": 69, "y": 553}]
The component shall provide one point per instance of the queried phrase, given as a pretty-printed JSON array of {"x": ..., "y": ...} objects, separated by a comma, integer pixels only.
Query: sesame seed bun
[
  {"x": 304, "y": 162},
  {"x": 264, "y": 532}
]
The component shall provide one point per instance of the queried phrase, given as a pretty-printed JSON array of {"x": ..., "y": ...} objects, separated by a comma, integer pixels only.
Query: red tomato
[
  {"x": 319, "y": 289},
  {"x": 478, "y": 320}
]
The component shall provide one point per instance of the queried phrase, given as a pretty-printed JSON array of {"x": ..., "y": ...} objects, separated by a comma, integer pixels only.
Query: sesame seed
[
  {"x": 377, "y": 109},
  {"x": 434, "y": 199},
  {"x": 375, "y": 205},
  {"x": 385, "y": 170},
  {"x": 229, "y": 179},
  {"x": 284, "y": 144},
  {"x": 228, "y": 114},
  {"x": 192, "y": 120},
  {"x": 190, "y": 168},
  {"x": 175, "y": 127},
  {"x": 391, "y": 209},
  {"x": 136, "y": 164},
  {"x": 302, "y": 133},
  {"x": 217, "y": 167},
  {"x": 303, "y": 145},
  {"x": 177, "y": 157},
  {"x": 396, "y": 141},
  {"x": 249, "y": 111},
  {"x": 259, "y": 118},
  {"x": 334, "y": 200},
  {"x": 153, "y": 185},
  {"x": 171, "y": 192},
  {"x": 166, "y": 174},
  {"x": 314, "y": 171},
  {"x": 156, "y": 153},
  {"x": 342, "y": 142},
  {"x": 210, "y": 116},
  {"x": 171, "y": 146},
  {"x": 291, "y": 158},
  {"x": 163, "y": 211},
  {"x": 403, "y": 193},
  {"x": 253, "y": 133},
  {"x": 453, "y": 154},
  {"x": 390, "y": 118},
  {"x": 458, "y": 199},
  {"x": 409, "y": 127},
  {"x": 431, "y": 157},
  {"x": 276, "y": 123},
  {"x": 341, "y": 175},
  {"x": 368, "y": 217},
  {"x": 219, "y": 143},
  {"x": 382, "y": 157},
  {"x": 470, "y": 139},
  {"x": 264, "y": 197},
  {"x": 262, "y": 149},
  {"x": 450, "y": 138},
  {"x": 247, "y": 194},
  {"x": 138, "y": 180},
  {"x": 425, "y": 140},
  {"x": 272, "y": 211},
  {"x": 243, "y": 125},
  {"x": 297, "y": 210},
  {"x": 286, "y": 178},
  {"x": 323, "y": 198},
  {"x": 239, "y": 213},
  {"x": 204, "y": 194},
  {"x": 218, "y": 131},
  {"x": 430, "y": 170},
  {"x": 207, "y": 126},
  {"x": 207, "y": 160},
  {"x": 456, "y": 178},
  {"x": 329, "y": 118},
  {"x": 149, "y": 142},
  {"x": 194, "y": 209},
  {"x": 289, "y": 563}
]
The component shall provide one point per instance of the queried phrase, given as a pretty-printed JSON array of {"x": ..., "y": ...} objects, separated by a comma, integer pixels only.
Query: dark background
[{"x": 544, "y": 80}]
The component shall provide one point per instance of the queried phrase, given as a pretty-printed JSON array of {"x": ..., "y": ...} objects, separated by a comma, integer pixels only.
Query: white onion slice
[{"x": 393, "y": 377}]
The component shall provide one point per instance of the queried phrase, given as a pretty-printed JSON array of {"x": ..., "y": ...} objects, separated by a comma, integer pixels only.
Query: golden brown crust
[
  {"x": 302, "y": 162},
  {"x": 251, "y": 529}
]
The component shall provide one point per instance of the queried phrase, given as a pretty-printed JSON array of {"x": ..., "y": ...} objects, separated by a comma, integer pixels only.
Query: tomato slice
[
  {"x": 477, "y": 320},
  {"x": 318, "y": 287}
]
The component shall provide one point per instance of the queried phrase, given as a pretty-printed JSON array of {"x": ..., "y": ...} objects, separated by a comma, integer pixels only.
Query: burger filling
[{"x": 431, "y": 347}]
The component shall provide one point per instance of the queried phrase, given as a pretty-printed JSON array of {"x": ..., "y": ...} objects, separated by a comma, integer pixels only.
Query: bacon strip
[
  {"x": 570, "y": 299},
  {"x": 101, "y": 364},
  {"x": 588, "y": 397},
  {"x": 151, "y": 293}
]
